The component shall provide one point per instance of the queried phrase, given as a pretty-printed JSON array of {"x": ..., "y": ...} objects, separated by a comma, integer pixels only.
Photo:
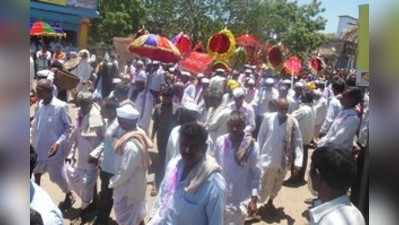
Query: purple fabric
[{"x": 151, "y": 40}]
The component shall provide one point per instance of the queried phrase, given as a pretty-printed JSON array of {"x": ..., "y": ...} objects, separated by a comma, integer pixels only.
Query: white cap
[
  {"x": 191, "y": 106},
  {"x": 317, "y": 92},
  {"x": 299, "y": 84},
  {"x": 286, "y": 81},
  {"x": 205, "y": 80},
  {"x": 219, "y": 70},
  {"x": 247, "y": 71},
  {"x": 269, "y": 81},
  {"x": 155, "y": 62},
  {"x": 140, "y": 63},
  {"x": 48, "y": 74},
  {"x": 116, "y": 81},
  {"x": 128, "y": 112},
  {"x": 238, "y": 92},
  {"x": 185, "y": 73},
  {"x": 200, "y": 75}
]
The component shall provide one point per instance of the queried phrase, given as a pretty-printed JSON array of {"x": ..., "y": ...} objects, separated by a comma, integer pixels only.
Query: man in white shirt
[
  {"x": 265, "y": 94},
  {"x": 41, "y": 201},
  {"x": 50, "y": 132},
  {"x": 331, "y": 173},
  {"x": 334, "y": 105},
  {"x": 108, "y": 160},
  {"x": 305, "y": 117},
  {"x": 43, "y": 58},
  {"x": 156, "y": 80},
  {"x": 279, "y": 141},
  {"x": 129, "y": 183},
  {"x": 344, "y": 127}
]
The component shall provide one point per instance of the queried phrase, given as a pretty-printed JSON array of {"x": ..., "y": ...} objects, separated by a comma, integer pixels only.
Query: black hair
[
  {"x": 355, "y": 93},
  {"x": 110, "y": 103},
  {"x": 196, "y": 133},
  {"x": 186, "y": 116},
  {"x": 236, "y": 116},
  {"x": 351, "y": 81},
  {"x": 33, "y": 159},
  {"x": 57, "y": 64},
  {"x": 338, "y": 85},
  {"x": 335, "y": 166},
  {"x": 35, "y": 217},
  {"x": 307, "y": 96}
]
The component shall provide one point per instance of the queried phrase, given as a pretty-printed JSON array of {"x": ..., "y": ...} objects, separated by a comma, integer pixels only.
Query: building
[
  {"x": 73, "y": 16},
  {"x": 345, "y": 23}
]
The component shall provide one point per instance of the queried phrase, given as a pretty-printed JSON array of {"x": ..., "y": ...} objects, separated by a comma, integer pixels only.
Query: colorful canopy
[
  {"x": 222, "y": 45},
  {"x": 183, "y": 43},
  {"x": 155, "y": 47},
  {"x": 196, "y": 62},
  {"x": 40, "y": 28}
]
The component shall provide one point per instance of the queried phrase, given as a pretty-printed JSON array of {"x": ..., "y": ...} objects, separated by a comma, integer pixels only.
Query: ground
[{"x": 290, "y": 201}]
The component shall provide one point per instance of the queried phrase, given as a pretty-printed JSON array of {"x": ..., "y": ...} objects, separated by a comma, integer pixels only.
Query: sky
[{"x": 335, "y": 8}]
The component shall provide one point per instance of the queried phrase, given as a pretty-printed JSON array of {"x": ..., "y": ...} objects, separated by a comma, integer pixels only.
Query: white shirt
[
  {"x": 51, "y": 124},
  {"x": 31, "y": 71},
  {"x": 156, "y": 80},
  {"x": 342, "y": 131},
  {"x": 130, "y": 178},
  {"x": 339, "y": 211},
  {"x": 271, "y": 138},
  {"x": 320, "y": 110},
  {"x": 306, "y": 119},
  {"x": 334, "y": 107},
  {"x": 83, "y": 70},
  {"x": 44, "y": 205},
  {"x": 263, "y": 98},
  {"x": 109, "y": 158}
]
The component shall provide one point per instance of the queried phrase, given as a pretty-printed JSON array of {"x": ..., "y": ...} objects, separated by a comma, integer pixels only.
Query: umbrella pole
[{"x": 292, "y": 81}]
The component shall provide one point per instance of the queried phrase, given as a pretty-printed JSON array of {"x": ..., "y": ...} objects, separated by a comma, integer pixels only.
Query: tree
[
  {"x": 117, "y": 18},
  {"x": 297, "y": 27}
]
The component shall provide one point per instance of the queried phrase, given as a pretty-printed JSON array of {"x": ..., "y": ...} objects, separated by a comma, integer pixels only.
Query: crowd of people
[{"x": 225, "y": 141}]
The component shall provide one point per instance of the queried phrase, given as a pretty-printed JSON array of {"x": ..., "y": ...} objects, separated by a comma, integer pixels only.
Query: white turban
[{"x": 128, "y": 112}]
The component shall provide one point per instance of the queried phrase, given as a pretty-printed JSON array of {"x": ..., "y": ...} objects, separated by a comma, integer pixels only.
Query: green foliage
[{"x": 295, "y": 26}]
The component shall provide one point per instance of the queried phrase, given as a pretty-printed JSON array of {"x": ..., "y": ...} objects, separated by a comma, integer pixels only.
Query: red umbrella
[
  {"x": 183, "y": 43},
  {"x": 247, "y": 40},
  {"x": 315, "y": 64},
  {"x": 275, "y": 56},
  {"x": 196, "y": 62},
  {"x": 155, "y": 47},
  {"x": 293, "y": 65}
]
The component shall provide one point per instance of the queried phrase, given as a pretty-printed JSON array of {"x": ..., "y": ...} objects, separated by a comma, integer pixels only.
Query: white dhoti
[
  {"x": 82, "y": 182},
  {"x": 55, "y": 169},
  {"x": 129, "y": 213},
  {"x": 272, "y": 181}
]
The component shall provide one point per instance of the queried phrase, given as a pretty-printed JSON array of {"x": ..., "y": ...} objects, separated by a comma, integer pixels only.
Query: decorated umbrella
[
  {"x": 315, "y": 64},
  {"x": 40, "y": 28},
  {"x": 183, "y": 43},
  {"x": 155, "y": 47},
  {"x": 275, "y": 56},
  {"x": 247, "y": 40},
  {"x": 196, "y": 62},
  {"x": 222, "y": 45},
  {"x": 293, "y": 66}
]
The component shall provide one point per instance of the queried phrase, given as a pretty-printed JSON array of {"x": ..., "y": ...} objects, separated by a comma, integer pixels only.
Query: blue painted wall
[{"x": 66, "y": 16}]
